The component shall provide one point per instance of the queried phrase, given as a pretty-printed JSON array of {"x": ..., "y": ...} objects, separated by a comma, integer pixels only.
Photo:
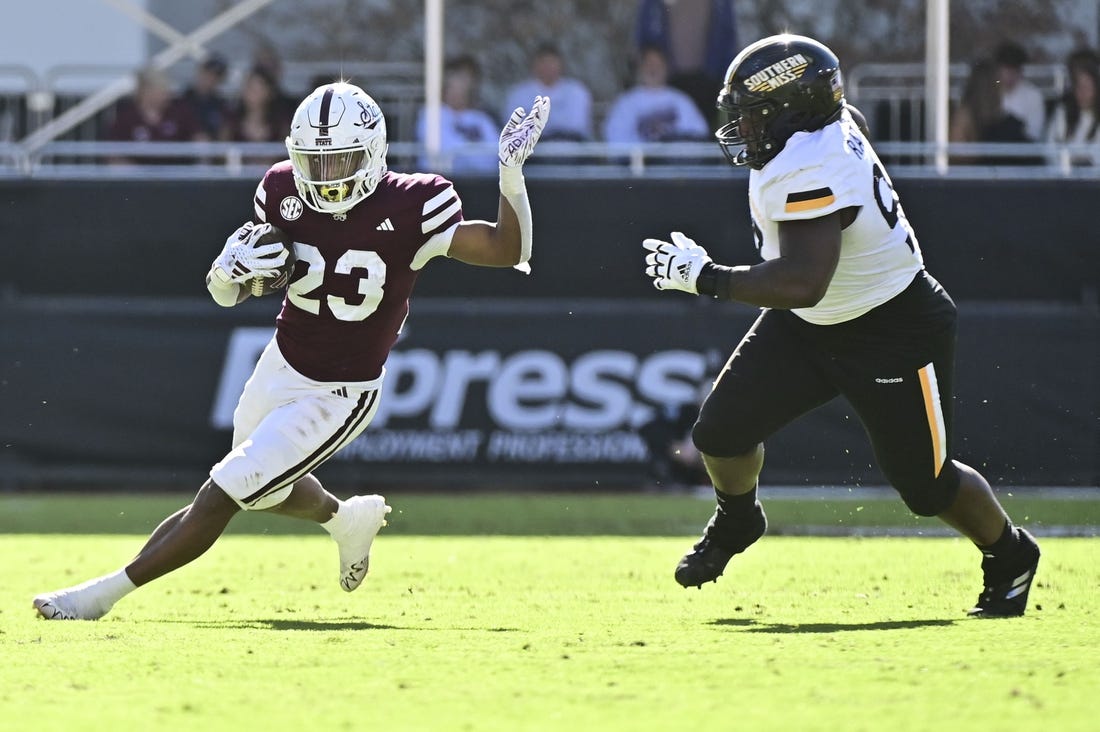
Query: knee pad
[{"x": 929, "y": 496}]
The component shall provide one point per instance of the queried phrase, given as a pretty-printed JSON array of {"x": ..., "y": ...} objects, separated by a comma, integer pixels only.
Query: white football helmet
[{"x": 337, "y": 146}]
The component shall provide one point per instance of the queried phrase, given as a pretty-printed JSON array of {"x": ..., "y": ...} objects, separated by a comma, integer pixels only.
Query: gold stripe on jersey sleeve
[{"x": 809, "y": 204}]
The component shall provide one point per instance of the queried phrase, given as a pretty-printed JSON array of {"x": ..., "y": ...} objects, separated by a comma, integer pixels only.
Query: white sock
[
  {"x": 113, "y": 587},
  {"x": 103, "y": 592},
  {"x": 338, "y": 523}
]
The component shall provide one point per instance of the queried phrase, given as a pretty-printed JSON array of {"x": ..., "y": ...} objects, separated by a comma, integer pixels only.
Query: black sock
[
  {"x": 1004, "y": 544},
  {"x": 739, "y": 505}
]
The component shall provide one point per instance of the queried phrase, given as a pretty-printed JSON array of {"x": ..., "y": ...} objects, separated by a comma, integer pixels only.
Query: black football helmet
[{"x": 776, "y": 87}]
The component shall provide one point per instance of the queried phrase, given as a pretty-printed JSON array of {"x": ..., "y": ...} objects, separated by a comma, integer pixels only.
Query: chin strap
[{"x": 514, "y": 190}]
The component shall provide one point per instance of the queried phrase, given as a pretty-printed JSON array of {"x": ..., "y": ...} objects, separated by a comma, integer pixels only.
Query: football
[{"x": 260, "y": 286}]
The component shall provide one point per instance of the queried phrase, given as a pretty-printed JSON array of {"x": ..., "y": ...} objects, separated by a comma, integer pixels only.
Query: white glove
[
  {"x": 521, "y": 132},
  {"x": 243, "y": 257},
  {"x": 675, "y": 265}
]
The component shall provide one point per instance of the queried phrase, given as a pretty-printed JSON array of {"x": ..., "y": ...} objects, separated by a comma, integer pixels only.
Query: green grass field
[{"x": 535, "y": 632}]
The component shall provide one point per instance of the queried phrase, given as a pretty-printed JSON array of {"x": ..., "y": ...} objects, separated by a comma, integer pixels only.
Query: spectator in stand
[
  {"x": 572, "y": 100},
  {"x": 154, "y": 114},
  {"x": 205, "y": 96},
  {"x": 979, "y": 107},
  {"x": 980, "y": 117},
  {"x": 265, "y": 56},
  {"x": 1020, "y": 98},
  {"x": 1075, "y": 117},
  {"x": 461, "y": 122},
  {"x": 698, "y": 37},
  {"x": 257, "y": 115},
  {"x": 653, "y": 111}
]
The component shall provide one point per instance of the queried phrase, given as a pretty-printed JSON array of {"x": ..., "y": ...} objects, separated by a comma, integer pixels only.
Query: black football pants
[{"x": 894, "y": 365}]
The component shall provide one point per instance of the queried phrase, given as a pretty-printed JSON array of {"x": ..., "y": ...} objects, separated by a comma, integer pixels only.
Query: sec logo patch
[{"x": 290, "y": 208}]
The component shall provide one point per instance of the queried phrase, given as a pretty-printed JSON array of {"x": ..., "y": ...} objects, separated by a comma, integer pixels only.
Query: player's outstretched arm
[
  {"x": 507, "y": 242},
  {"x": 798, "y": 278}
]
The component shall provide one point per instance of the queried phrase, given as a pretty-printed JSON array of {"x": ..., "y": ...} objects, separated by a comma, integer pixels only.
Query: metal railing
[{"x": 76, "y": 159}]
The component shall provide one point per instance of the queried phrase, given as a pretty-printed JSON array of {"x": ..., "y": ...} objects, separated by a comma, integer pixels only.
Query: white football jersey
[{"x": 824, "y": 171}]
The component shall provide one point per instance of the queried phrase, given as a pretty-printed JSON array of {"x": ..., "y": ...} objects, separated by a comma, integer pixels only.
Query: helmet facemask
[
  {"x": 337, "y": 147},
  {"x": 745, "y": 138}
]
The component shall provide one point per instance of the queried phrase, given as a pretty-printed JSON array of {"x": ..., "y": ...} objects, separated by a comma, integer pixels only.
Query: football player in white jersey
[
  {"x": 847, "y": 310},
  {"x": 361, "y": 234}
]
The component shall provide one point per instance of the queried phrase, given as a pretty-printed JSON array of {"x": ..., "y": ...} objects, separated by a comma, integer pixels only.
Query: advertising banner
[{"x": 499, "y": 393}]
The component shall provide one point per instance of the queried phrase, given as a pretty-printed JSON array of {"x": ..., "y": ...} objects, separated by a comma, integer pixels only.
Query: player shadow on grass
[
  {"x": 336, "y": 624},
  {"x": 286, "y": 624},
  {"x": 755, "y": 626}
]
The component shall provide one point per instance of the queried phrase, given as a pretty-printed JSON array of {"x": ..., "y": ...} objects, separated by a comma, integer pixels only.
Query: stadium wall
[
  {"x": 987, "y": 240},
  {"x": 116, "y": 367}
]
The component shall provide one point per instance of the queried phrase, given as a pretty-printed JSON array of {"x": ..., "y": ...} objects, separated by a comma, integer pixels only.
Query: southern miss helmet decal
[{"x": 778, "y": 74}]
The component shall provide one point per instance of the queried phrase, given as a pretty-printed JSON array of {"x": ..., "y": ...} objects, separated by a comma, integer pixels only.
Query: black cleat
[
  {"x": 1008, "y": 581},
  {"x": 708, "y": 559}
]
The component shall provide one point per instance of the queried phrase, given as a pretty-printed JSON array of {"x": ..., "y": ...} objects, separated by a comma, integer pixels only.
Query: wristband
[
  {"x": 715, "y": 281},
  {"x": 511, "y": 180}
]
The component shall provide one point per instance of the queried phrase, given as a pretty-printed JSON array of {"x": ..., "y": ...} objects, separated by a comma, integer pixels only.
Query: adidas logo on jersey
[{"x": 386, "y": 225}]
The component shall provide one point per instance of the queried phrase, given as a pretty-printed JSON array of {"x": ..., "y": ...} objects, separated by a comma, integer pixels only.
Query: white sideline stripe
[
  {"x": 436, "y": 201},
  {"x": 434, "y": 222}
]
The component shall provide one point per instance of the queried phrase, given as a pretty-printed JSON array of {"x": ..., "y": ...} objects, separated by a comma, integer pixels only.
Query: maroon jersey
[{"x": 349, "y": 294}]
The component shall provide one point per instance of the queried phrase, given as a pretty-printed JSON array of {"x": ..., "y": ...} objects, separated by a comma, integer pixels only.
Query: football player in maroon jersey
[{"x": 360, "y": 236}]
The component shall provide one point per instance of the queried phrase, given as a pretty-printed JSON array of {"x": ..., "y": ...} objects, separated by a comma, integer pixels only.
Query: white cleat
[
  {"x": 366, "y": 517},
  {"x": 73, "y": 603}
]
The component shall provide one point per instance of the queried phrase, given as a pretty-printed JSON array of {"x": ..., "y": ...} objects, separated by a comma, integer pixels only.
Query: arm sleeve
[{"x": 514, "y": 190}]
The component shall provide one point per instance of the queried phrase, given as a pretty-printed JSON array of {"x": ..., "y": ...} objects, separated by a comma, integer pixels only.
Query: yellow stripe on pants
[{"x": 931, "y": 392}]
